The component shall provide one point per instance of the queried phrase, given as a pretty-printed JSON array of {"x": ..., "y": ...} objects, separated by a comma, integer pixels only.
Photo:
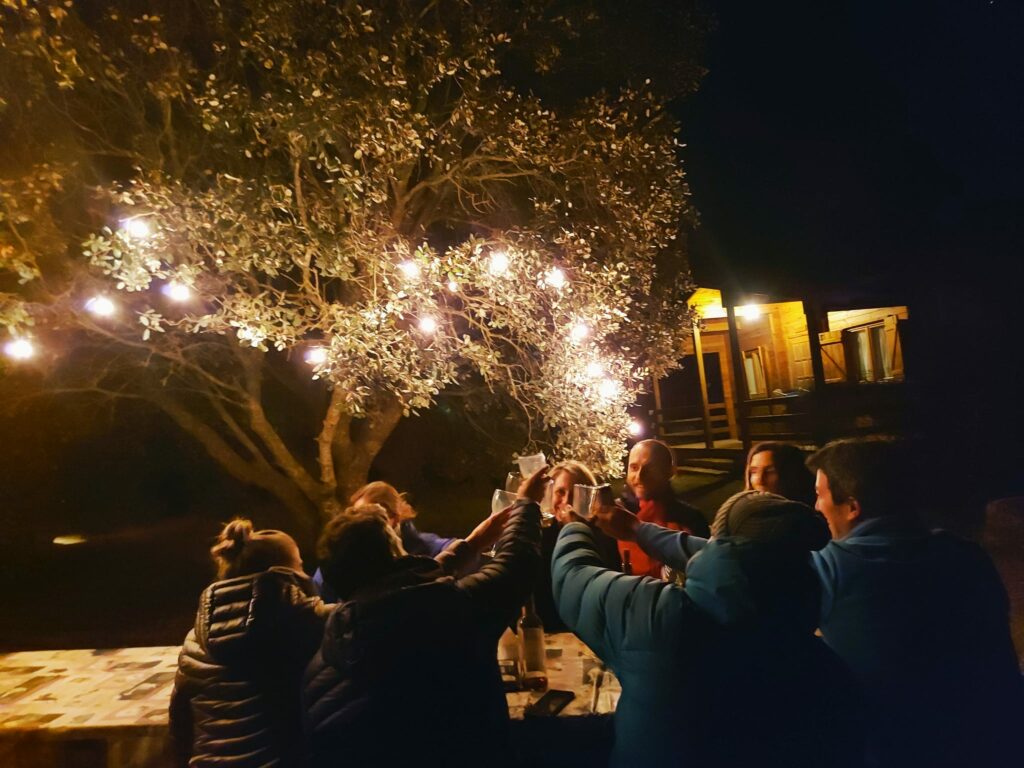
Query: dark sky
[
  {"x": 848, "y": 140},
  {"x": 878, "y": 145}
]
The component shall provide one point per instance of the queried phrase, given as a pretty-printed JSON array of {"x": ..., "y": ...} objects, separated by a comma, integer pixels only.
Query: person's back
[
  {"x": 236, "y": 698},
  {"x": 921, "y": 618},
  {"x": 406, "y": 674},
  {"x": 407, "y": 670},
  {"x": 728, "y": 687}
]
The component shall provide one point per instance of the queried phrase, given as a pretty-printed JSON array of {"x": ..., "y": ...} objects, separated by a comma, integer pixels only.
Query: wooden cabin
[{"x": 801, "y": 368}]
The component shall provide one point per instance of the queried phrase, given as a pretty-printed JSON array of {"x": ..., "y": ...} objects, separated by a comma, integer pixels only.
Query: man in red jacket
[{"x": 649, "y": 472}]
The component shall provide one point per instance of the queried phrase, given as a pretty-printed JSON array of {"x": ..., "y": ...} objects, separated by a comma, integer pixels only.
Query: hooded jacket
[
  {"x": 922, "y": 619},
  {"x": 236, "y": 699},
  {"x": 407, "y": 670},
  {"x": 694, "y": 660}
]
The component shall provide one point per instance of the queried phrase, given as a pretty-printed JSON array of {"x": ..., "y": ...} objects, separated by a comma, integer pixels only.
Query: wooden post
[
  {"x": 657, "y": 408},
  {"x": 698, "y": 350},
  {"x": 739, "y": 376},
  {"x": 812, "y": 311}
]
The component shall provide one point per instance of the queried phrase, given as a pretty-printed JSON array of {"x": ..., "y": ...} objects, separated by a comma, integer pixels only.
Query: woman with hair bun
[{"x": 236, "y": 699}]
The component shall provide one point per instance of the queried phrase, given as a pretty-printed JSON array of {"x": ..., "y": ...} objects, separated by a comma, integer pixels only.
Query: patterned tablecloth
[{"x": 120, "y": 696}]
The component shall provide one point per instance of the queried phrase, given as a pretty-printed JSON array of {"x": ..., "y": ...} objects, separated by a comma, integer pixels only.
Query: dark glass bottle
[
  {"x": 531, "y": 636},
  {"x": 627, "y": 562}
]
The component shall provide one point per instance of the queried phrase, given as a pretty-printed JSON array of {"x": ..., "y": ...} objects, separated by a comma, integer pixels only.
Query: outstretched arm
[
  {"x": 605, "y": 608},
  {"x": 673, "y": 548}
]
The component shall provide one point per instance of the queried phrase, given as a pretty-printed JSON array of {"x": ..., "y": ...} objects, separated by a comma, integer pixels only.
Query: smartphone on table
[{"x": 550, "y": 704}]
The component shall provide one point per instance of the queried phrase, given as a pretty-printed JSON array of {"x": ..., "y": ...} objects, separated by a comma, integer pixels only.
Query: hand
[
  {"x": 617, "y": 521},
  {"x": 487, "y": 533},
  {"x": 532, "y": 488}
]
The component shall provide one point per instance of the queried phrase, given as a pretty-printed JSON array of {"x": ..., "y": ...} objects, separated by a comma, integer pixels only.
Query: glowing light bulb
[
  {"x": 101, "y": 306},
  {"x": 595, "y": 370},
  {"x": 177, "y": 291},
  {"x": 555, "y": 278},
  {"x": 316, "y": 356},
  {"x": 428, "y": 324},
  {"x": 410, "y": 269},
  {"x": 608, "y": 389},
  {"x": 749, "y": 311},
  {"x": 20, "y": 349},
  {"x": 136, "y": 228},
  {"x": 499, "y": 263},
  {"x": 453, "y": 286},
  {"x": 636, "y": 428},
  {"x": 579, "y": 332}
]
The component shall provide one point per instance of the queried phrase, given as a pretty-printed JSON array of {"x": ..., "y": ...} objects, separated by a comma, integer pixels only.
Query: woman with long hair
[{"x": 236, "y": 698}]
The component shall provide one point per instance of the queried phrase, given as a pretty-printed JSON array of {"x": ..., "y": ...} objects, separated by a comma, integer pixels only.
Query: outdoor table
[{"x": 109, "y": 707}]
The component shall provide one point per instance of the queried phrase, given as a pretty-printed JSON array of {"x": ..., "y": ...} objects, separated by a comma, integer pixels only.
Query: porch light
[{"x": 749, "y": 311}]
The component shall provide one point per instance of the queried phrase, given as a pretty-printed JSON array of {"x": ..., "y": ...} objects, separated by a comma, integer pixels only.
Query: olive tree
[{"x": 348, "y": 204}]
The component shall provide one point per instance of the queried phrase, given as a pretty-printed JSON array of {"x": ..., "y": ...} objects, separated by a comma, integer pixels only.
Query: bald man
[{"x": 649, "y": 472}]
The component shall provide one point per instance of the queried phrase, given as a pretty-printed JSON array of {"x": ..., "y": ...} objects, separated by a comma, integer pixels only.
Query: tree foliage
[{"x": 359, "y": 185}]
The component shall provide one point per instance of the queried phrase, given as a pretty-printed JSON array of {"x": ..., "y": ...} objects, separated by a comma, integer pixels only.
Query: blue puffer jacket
[
  {"x": 698, "y": 692},
  {"x": 922, "y": 620}
]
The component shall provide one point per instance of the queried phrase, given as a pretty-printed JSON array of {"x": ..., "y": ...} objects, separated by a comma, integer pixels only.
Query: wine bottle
[
  {"x": 510, "y": 661},
  {"x": 627, "y": 562},
  {"x": 531, "y": 636}
]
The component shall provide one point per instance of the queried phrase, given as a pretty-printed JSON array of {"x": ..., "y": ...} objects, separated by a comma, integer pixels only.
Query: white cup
[{"x": 530, "y": 464}]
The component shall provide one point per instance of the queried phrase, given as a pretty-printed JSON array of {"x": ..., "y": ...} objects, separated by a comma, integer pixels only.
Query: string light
[
  {"x": 608, "y": 389},
  {"x": 579, "y": 332},
  {"x": 410, "y": 269},
  {"x": 555, "y": 278},
  {"x": 177, "y": 291},
  {"x": 595, "y": 370},
  {"x": 136, "y": 228},
  {"x": 101, "y": 306},
  {"x": 20, "y": 349},
  {"x": 453, "y": 286},
  {"x": 316, "y": 356},
  {"x": 499, "y": 263},
  {"x": 428, "y": 324},
  {"x": 636, "y": 428}
]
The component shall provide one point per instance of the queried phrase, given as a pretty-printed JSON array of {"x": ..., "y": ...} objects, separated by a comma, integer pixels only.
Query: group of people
[{"x": 782, "y": 634}]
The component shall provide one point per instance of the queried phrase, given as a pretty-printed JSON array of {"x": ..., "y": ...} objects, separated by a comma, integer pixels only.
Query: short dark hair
[
  {"x": 872, "y": 470},
  {"x": 357, "y": 547}
]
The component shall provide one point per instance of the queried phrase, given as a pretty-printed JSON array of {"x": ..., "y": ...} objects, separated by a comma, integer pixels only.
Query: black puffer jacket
[
  {"x": 407, "y": 672},
  {"x": 236, "y": 699}
]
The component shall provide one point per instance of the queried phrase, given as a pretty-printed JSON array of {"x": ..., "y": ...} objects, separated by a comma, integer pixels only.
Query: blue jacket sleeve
[
  {"x": 673, "y": 548},
  {"x": 608, "y": 610}
]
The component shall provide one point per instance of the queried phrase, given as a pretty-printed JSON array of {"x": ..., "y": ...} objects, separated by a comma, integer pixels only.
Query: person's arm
[
  {"x": 673, "y": 548},
  {"x": 605, "y": 608},
  {"x": 502, "y": 584}
]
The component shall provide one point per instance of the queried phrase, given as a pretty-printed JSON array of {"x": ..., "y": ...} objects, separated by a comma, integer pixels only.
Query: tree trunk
[{"x": 356, "y": 448}]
